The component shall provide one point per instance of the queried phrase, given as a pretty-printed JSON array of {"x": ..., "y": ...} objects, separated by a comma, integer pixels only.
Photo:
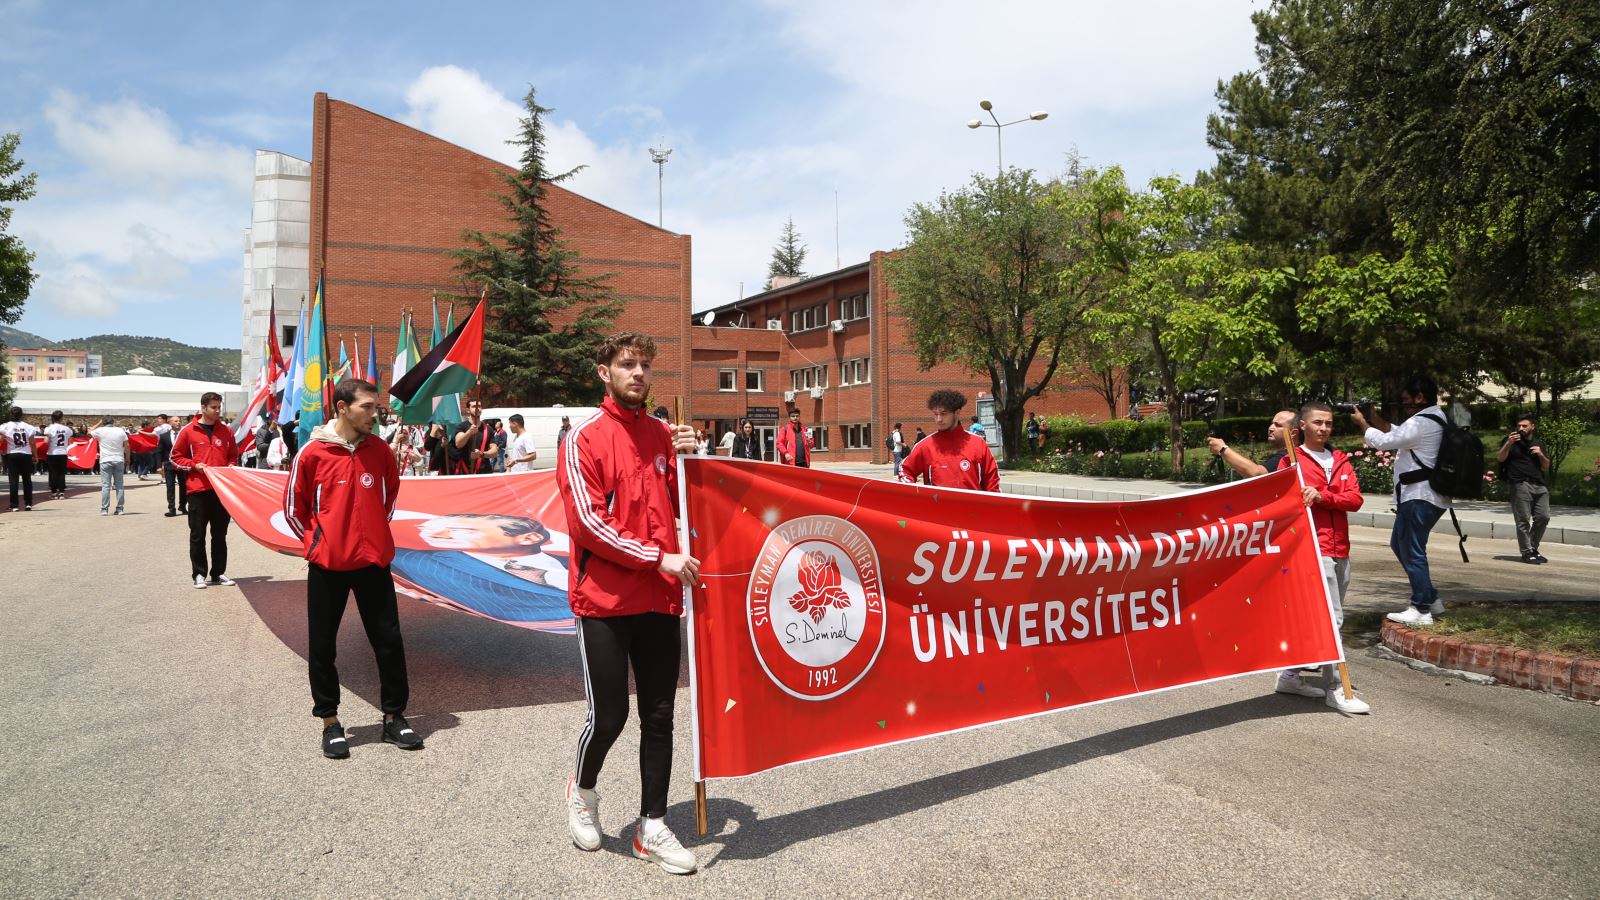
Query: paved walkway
[{"x": 1568, "y": 524}]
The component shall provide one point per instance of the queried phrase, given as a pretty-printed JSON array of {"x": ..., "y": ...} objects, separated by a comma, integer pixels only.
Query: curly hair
[
  {"x": 947, "y": 399},
  {"x": 641, "y": 344}
]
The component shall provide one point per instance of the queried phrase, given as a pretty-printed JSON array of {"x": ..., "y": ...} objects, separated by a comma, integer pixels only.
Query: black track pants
[
  {"x": 327, "y": 592},
  {"x": 206, "y": 509},
  {"x": 651, "y": 643}
]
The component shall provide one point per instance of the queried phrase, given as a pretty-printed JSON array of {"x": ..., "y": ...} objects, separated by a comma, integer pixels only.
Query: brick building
[
  {"x": 832, "y": 347},
  {"x": 386, "y": 204}
]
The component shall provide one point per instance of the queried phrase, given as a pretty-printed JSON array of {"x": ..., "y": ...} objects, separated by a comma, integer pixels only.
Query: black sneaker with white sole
[
  {"x": 334, "y": 743},
  {"x": 398, "y": 731}
]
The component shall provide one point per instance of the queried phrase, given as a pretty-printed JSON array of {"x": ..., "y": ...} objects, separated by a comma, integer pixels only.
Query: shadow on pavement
[
  {"x": 757, "y": 838},
  {"x": 455, "y": 662}
]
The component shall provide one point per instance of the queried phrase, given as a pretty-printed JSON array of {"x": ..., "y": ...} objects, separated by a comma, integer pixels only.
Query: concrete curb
[{"x": 1564, "y": 676}]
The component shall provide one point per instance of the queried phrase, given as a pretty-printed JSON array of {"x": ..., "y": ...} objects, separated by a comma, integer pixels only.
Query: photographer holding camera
[
  {"x": 1523, "y": 464},
  {"x": 1418, "y": 505},
  {"x": 1277, "y": 438}
]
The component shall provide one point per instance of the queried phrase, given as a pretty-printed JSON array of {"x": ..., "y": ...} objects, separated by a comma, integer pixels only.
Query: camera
[
  {"x": 1364, "y": 405},
  {"x": 1202, "y": 402}
]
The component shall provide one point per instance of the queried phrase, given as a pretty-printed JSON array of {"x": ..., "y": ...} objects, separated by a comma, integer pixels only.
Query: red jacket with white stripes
[
  {"x": 619, "y": 484},
  {"x": 339, "y": 500},
  {"x": 952, "y": 458},
  {"x": 192, "y": 445},
  {"x": 1341, "y": 495}
]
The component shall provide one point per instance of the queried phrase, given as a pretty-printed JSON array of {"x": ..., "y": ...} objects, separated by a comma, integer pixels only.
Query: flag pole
[{"x": 700, "y": 807}]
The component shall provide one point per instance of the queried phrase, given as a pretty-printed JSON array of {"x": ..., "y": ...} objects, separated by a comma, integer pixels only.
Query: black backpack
[{"x": 1458, "y": 469}]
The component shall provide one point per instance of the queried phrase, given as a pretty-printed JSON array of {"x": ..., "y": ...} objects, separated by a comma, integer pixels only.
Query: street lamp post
[{"x": 999, "y": 148}]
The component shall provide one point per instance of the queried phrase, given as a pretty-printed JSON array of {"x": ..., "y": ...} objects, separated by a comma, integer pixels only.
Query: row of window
[
  {"x": 856, "y": 437},
  {"x": 816, "y": 316},
  {"x": 851, "y": 371}
]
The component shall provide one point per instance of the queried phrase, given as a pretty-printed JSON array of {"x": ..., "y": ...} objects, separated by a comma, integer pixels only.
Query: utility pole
[{"x": 659, "y": 157}]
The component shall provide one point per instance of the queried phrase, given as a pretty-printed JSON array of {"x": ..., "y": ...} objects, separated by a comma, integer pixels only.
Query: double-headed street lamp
[{"x": 988, "y": 107}]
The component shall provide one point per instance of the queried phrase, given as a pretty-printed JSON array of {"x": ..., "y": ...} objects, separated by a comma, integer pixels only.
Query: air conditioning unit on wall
[
  {"x": 774, "y": 324},
  {"x": 838, "y": 326},
  {"x": 816, "y": 393},
  {"x": 788, "y": 396}
]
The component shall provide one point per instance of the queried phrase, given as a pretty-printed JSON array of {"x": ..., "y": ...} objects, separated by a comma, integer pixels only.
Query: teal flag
[{"x": 316, "y": 365}]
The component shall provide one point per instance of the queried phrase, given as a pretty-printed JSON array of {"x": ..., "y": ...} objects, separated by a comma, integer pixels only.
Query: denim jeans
[
  {"x": 112, "y": 472},
  {"x": 1409, "y": 541}
]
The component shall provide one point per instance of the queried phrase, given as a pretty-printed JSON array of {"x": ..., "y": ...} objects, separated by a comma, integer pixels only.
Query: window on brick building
[
  {"x": 809, "y": 318},
  {"x": 725, "y": 379},
  {"x": 857, "y": 437},
  {"x": 855, "y": 371},
  {"x": 808, "y": 378},
  {"x": 755, "y": 380},
  {"x": 819, "y": 437},
  {"x": 853, "y": 307}
]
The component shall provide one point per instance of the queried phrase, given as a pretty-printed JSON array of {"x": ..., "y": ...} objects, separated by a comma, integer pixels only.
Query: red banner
[
  {"x": 836, "y": 614},
  {"x": 143, "y": 441},
  {"x": 494, "y": 546}
]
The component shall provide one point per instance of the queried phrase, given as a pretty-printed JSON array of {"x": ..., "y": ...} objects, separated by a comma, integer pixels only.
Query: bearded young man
[{"x": 619, "y": 487}]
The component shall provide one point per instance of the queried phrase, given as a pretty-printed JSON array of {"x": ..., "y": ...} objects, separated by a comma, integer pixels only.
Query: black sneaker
[
  {"x": 334, "y": 744},
  {"x": 398, "y": 731},
  {"x": 169, "y": 513},
  {"x": 1539, "y": 558}
]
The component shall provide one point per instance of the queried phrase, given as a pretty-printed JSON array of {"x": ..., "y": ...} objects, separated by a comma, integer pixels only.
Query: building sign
[{"x": 762, "y": 415}]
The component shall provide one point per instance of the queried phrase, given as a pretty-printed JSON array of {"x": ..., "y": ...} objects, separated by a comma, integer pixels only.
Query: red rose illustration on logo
[
  {"x": 816, "y": 608},
  {"x": 819, "y": 586}
]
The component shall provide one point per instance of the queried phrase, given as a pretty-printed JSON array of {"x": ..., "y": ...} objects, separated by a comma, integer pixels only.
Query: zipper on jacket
[{"x": 315, "y": 537}]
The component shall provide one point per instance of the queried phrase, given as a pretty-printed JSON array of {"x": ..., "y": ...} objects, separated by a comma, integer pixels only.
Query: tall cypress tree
[{"x": 545, "y": 317}]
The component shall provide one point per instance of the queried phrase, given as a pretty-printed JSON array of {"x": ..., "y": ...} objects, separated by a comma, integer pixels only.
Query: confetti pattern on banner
[{"x": 731, "y": 704}]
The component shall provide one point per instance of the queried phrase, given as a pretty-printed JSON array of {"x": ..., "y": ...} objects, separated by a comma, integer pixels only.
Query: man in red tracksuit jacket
[
  {"x": 951, "y": 456},
  {"x": 203, "y": 443},
  {"x": 1332, "y": 491},
  {"x": 619, "y": 486},
  {"x": 794, "y": 443},
  {"x": 340, "y": 496}
]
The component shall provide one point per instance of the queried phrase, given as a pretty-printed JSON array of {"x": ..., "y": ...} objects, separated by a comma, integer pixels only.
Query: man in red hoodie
[
  {"x": 951, "y": 456},
  {"x": 203, "y": 443},
  {"x": 1332, "y": 491},
  {"x": 619, "y": 486},
  {"x": 340, "y": 496}
]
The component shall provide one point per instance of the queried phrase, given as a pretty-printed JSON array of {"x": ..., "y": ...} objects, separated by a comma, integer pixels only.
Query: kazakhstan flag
[{"x": 316, "y": 362}]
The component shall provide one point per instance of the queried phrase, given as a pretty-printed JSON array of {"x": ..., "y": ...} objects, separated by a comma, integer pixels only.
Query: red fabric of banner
[
  {"x": 836, "y": 614},
  {"x": 82, "y": 454}
]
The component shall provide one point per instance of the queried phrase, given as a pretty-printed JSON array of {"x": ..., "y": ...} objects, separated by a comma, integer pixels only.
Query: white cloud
[
  {"x": 77, "y": 290},
  {"x": 132, "y": 142}
]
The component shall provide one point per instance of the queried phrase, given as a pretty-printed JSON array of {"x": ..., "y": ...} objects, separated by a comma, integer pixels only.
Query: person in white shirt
[
  {"x": 58, "y": 439},
  {"x": 113, "y": 462},
  {"x": 897, "y": 448},
  {"x": 1415, "y": 443},
  {"x": 17, "y": 436},
  {"x": 520, "y": 453}
]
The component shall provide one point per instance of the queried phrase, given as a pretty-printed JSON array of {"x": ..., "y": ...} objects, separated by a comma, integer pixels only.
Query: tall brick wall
[
  {"x": 388, "y": 202},
  {"x": 897, "y": 390}
]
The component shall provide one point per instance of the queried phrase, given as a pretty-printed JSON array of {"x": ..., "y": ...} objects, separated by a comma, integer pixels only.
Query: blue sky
[{"x": 141, "y": 119}]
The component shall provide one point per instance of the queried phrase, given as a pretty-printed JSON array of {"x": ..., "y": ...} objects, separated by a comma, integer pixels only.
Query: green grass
[
  {"x": 1570, "y": 629},
  {"x": 1581, "y": 461}
]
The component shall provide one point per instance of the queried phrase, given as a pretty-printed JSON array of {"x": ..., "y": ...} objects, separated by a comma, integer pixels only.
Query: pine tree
[
  {"x": 789, "y": 256},
  {"x": 16, "y": 270},
  {"x": 545, "y": 317}
]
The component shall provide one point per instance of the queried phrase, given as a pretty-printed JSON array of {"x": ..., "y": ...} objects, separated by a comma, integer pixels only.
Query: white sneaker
[
  {"x": 1291, "y": 684},
  {"x": 1353, "y": 706},
  {"x": 222, "y": 580},
  {"x": 663, "y": 849},
  {"x": 1437, "y": 609},
  {"x": 1410, "y": 616},
  {"x": 200, "y": 582},
  {"x": 583, "y": 816}
]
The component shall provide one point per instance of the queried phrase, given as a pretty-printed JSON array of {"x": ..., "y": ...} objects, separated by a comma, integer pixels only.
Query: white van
[{"x": 544, "y": 423}]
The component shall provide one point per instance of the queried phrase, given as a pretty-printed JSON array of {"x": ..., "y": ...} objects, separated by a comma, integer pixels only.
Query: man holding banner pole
[{"x": 619, "y": 487}]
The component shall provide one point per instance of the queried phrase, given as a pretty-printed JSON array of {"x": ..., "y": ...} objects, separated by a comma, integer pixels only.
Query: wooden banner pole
[{"x": 700, "y": 807}]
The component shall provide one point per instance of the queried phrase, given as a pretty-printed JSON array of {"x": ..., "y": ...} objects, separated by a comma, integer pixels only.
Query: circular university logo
[
  {"x": 966, "y": 464},
  {"x": 815, "y": 607},
  {"x": 216, "y": 442},
  {"x": 661, "y": 464},
  {"x": 366, "y": 479}
]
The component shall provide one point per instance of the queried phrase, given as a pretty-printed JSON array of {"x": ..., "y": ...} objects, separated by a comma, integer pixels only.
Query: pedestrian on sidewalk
[
  {"x": 1523, "y": 465},
  {"x": 341, "y": 493},
  {"x": 794, "y": 442},
  {"x": 202, "y": 444}
]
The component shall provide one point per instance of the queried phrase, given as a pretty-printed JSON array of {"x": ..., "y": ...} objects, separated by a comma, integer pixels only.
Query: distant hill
[
  {"x": 16, "y": 337},
  {"x": 121, "y": 352}
]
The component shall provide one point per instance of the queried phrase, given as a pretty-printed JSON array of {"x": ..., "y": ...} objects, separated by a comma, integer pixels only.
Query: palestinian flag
[{"x": 451, "y": 367}]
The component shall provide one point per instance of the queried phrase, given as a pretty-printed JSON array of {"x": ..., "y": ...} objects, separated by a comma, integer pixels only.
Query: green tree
[
  {"x": 16, "y": 262},
  {"x": 996, "y": 278},
  {"x": 1186, "y": 288},
  {"x": 788, "y": 256},
  {"x": 545, "y": 316}
]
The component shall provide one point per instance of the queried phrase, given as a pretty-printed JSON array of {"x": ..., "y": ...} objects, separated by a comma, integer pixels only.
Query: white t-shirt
[
  {"x": 521, "y": 445},
  {"x": 163, "y": 428},
  {"x": 1324, "y": 458},
  {"x": 18, "y": 437},
  {"x": 113, "y": 443},
  {"x": 57, "y": 436}
]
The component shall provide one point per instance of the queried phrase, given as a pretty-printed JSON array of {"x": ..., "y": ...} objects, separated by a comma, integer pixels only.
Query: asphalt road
[{"x": 158, "y": 742}]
